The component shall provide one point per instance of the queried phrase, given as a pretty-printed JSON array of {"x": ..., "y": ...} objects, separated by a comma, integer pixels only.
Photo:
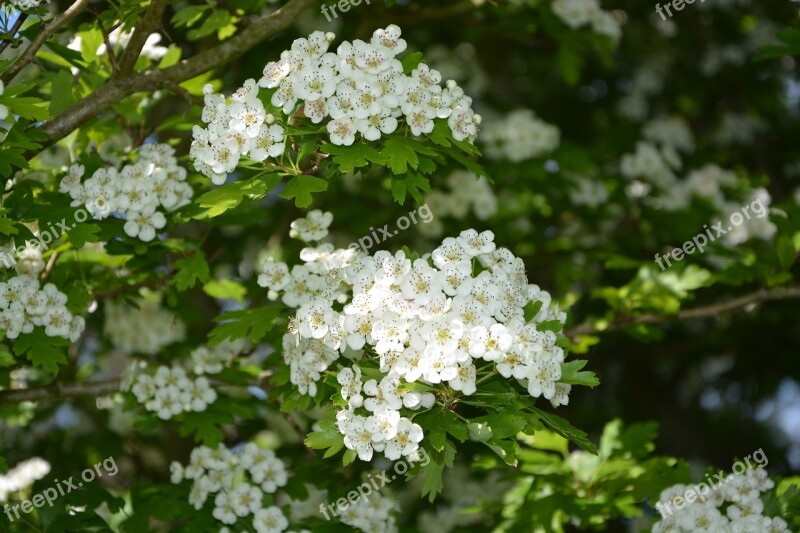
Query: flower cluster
[
  {"x": 171, "y": 391},
  {"x": 360, "y": 89},
  {"x": 25, "y": 4},
  {"x": 578, "y": 13},
  {"x": 24, "y": 305},
  {"x": 428, "y": 320},
  {"x": 239, "y": 480},
  {"x": 734, "y": 506},
  {"x": 373, "y": 514},
  {"x": 467, "y": 193},
  {"x": 671, "y": 131},
  {"x": 213, "y": 360},
  {"x": 22, "y": 476},
  {"x": 145, "y": 329},
  {"x": 519, "y": 136},
  {"x": 136, "y": 192},
  {"x": 658, "y": 162}
]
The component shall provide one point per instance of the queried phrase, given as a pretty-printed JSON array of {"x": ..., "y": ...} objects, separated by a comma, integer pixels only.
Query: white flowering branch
[
  {"x": 45, "y": 33},
  {"x": 120, "y": 88},
  {"x": 714, "y": 310}
]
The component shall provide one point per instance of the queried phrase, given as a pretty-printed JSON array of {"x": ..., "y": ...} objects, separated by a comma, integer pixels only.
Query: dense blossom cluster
[
  {"x": 373, "y": 515},
  {"x": 25, "y": 4},
  {"x": 24, "y": 306},
  {"x": 735, "y": 506},
  {"x": 360, "y": 90},
  {"x": 171, "y": 391},
  {"x": 466, "y": 193},
  {"x": 22, "y": 476},
  {"x": 430, "y": 320},
  {"x": 236, "y": 482},
  {"x": 145, "y": 329},
  {"x": 519, "y": 136},
  {"x": 579, "y": 13},
  {"x": 136, "y": 192},
  {"x": 655, "y": 165}
]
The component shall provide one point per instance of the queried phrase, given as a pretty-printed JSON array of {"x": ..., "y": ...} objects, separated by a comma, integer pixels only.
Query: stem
[{"x": 714, "y": 310}]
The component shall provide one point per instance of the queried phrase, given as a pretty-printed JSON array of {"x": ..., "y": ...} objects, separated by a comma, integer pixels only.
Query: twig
[
  {"x": 109, "y": 48},
  {"x": 113, "y": 92},
  {"x": 44, "y": 34},
  {"x": 761, "y": 295},
  {"x": 58, "y": 390},
  {"x": 160, "y": 282},
  {"x": 48, "y": 270},
  {"x": 150, "y": 20},
  {"x": 14, "y": 29}
]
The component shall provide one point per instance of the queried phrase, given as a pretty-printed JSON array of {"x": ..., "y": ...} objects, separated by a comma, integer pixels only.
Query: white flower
[
  {"x": 342, "y": 131},
  {"x": 269, "y": 520},
  {"x": 224, "y": 508},
  {"x": 268, "y": 142}
]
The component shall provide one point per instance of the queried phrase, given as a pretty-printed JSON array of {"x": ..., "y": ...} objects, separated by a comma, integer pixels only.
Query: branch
[
  {"x": 44, "y": 34},
  {"x": 761, "y": 295},
  {"x": 89, "y": 107},
  {"x": 151, "y": 19},
  {"x": 14, "y": 29},
  {"x": 58, "y": 390}
]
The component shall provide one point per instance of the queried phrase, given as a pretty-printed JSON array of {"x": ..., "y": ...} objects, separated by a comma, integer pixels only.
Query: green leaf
[
  {"x": 231, "y": 195},
  {"x": 412, "y": 183},
  {"x": 411, "y": 61},
  {"x": 433, "y": 470},
  {"x": 3, "y": 465},
  {"x": 571, "y": 373},
  {"x": 565, "y": 429},
  {"x": 225, "y": 289},
  {"x": 348, "y": 457},
  {"x": 83, "y": 233},
  {"x": 786, "y": 252},
  {"x": 205, "y": 427},
  {"x": 191, "y": 271},
  {"x": 26, "y": 107},
  {"x": 399, "y": 154},
  {"x": 247, "y": 323},
  {"x": 188, "y": 15},
  {"x": 438, "y": 438},
  {"x": 218, "y": 19},
  {"x": 352, "y": 157},
  {"x": 328, "y": 438},
  {"x": 8, "y": 226},
  {"x": 41, "y": 350},
  {"x": 61, "y": 91},
  {"x": 301, "y": 187},
  {"x": 9, "y": 157}
]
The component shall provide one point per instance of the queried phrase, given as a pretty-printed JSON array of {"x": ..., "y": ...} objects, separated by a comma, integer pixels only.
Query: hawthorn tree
[{"x": 399, "y": 266}]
